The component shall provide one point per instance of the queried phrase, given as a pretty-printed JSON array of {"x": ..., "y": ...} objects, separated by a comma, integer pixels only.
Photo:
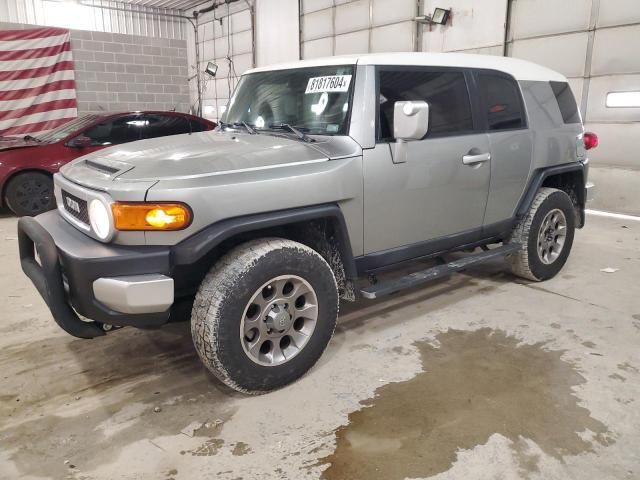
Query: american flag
[{"x": 37, "y": 84}]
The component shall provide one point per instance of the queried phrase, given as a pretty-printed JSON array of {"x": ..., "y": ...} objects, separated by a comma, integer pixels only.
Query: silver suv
[{"x": 322, "y": 173}]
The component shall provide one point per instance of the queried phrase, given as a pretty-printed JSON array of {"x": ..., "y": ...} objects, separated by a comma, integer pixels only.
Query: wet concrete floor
[
  {"x": 473, "y": 385},
  {"x": 477, "y": 377}
]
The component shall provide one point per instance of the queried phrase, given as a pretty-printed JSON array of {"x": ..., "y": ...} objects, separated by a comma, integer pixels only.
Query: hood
[
  {"x": 8, "y": 143},
  {"x": 203, "y": 154}
]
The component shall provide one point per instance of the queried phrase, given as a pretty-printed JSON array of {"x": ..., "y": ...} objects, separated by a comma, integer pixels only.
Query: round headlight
[{"x": 99, "y": 218}]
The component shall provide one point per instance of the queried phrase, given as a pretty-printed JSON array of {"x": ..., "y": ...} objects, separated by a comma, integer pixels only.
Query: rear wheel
[
  {"x": 30, "y": 194},
  {"x": 264, "y": 314},
  {"x": 545, "y": 235}
]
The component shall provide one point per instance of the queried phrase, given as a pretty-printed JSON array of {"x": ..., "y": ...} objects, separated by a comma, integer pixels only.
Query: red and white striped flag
[{"x": 37, "y": 84}]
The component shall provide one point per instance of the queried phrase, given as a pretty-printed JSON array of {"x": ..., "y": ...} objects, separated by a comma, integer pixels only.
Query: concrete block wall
[{"x": 118, "y": 72}]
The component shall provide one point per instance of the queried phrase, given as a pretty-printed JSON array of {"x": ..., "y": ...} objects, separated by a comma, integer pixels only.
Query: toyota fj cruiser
[{"x": 322, "y": 173}]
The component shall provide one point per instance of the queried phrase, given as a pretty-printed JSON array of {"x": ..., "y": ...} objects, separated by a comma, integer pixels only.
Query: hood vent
[{"x": 101, "y": 168}]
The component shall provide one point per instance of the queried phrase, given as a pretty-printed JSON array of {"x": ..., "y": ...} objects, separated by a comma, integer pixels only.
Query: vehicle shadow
[{"x": 6, "y": 213}]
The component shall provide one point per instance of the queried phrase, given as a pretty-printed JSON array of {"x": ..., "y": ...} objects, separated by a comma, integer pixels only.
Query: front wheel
[
  {"x": 264, "y": 314},
  {"x": 30, "y": 194},
  {"x": 545, "y": 235}
]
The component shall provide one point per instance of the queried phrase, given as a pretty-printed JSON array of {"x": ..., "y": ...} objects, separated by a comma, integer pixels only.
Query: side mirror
[
  {"x": 410, "y": 120},
  {"x": 79, "y": 142}
]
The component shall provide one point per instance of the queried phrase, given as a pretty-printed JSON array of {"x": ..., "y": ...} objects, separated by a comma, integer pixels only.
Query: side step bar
[{"x": 434, "y": 273}]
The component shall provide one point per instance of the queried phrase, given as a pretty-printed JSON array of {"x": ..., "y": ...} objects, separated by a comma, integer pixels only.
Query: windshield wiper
[
  {"x": 31, "y": 138},
  {"x": 298, "y": 133},
  {"x": 249, "y": 128}
]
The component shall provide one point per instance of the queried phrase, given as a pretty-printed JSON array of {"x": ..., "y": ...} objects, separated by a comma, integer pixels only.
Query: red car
[{"x": 28, "y": 163}]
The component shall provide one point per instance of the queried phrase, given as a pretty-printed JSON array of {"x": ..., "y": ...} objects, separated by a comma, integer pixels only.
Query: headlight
[
  {"x": 99, "y": 219},
  {"x": 151, "y": 216}
]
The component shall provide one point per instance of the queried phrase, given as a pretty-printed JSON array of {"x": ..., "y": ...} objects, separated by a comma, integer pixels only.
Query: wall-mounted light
[
  {"x": 439, "y": 17},
  {"x": 211, "y": 69},
  {"x": 623, "y": 99}
]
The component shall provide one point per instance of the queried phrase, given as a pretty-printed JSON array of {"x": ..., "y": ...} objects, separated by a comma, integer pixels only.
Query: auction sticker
[{"x": 332, "y": 83}]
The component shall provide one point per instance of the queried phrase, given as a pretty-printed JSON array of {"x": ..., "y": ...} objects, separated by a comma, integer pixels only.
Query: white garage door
[
  {"x": 336, "y": 27},
  {"x": 595, "y": 44}
]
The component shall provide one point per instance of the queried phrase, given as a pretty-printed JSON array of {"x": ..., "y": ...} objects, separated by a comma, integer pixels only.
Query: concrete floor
[{"x": 478, "y": 377}]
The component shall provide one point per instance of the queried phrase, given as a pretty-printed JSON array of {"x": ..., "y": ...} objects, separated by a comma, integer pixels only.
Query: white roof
[{"x": 519, "y": 69}]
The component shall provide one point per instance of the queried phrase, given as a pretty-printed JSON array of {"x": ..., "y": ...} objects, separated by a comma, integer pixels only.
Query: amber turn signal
[{"x": 150, "y": 216}]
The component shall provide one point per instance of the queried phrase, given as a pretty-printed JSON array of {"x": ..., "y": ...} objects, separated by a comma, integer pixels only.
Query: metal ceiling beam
[{"x": 173, "y": 4}]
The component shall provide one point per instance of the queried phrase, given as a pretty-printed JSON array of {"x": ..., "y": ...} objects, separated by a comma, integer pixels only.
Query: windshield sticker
[
  {"x": 319, "y": 107},
  {"x": 332, "y": 83}
]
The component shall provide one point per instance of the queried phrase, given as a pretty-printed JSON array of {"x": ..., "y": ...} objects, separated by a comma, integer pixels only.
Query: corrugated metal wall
[{"x": 134, "y": 20}]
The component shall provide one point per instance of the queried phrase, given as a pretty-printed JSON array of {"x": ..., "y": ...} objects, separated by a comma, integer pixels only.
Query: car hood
[
  {"x": 201, "y": 154},
  {"x": 7, "y": 143}
]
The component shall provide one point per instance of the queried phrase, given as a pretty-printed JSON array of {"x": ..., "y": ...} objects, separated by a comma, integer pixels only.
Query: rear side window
[
  {"x": 165, "y": 125},
  {"x": 446, "y": 93},
  {"x": 566, "y": 102},
  {"x": 197, "y": 126},
  {"x": 501, "y": 102},
  {"x": 115, "y": 132}
]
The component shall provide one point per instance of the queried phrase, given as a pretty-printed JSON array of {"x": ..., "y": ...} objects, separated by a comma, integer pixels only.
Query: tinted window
[
  {"x": 446, "y": 93},
  {"x": 501, "y": 102},
  {"x": 566, "y": 102},
  {"x": 113, "y": 132},
  {"x": 197, "y": 126},
  {"x": 165, "y": 125}
]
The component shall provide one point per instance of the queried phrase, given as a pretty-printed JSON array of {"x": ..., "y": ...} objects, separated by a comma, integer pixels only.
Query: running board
[{"x": 434, "y": 273}]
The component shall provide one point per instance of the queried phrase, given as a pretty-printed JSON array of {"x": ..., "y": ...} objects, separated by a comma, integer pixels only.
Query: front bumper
[{"x": 75, "y": 276}]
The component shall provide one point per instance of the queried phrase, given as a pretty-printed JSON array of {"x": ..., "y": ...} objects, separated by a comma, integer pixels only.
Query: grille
[{"x": 76, "y": 207}]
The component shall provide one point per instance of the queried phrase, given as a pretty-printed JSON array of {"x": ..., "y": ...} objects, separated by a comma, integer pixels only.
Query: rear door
[
  {"x": 437, "y": 191},
  {"x": 503, "y": 116}
]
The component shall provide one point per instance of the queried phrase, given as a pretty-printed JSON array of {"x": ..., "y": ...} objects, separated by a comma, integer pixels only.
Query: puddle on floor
[{"x": 474, "y": 385}]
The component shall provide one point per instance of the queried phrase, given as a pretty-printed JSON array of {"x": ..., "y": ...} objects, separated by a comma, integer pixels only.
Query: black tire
[
  {"x": 225, "y": 294},
  {"x": 528, "y": 262},
  {"x": 30, "y": 194}
]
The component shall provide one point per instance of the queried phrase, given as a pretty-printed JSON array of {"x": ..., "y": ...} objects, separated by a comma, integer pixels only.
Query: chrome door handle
[{"x": 473, "y": 159}]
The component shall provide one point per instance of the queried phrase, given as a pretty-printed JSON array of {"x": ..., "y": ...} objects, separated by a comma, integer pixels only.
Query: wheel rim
[
  {"x": 278, "y": 321},
  {"x": 552, "y": 236},
  {"x": 33, "y": 195}
]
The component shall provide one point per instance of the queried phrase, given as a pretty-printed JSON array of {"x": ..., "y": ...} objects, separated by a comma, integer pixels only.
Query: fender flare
[
  {"x": 538, "y": 179},
  {"x": 194, "y": 248}
]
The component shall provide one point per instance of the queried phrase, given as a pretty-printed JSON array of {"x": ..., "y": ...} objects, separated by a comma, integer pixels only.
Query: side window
[
  {"x": 165, "y": 125},
  {"x": 501, "y": 102},
  {"x": 116, "y": 131},
  {"x": 566, "y": 102},
  {"x": 197, "y": 126},
  {"x": 446, "y": 93}
]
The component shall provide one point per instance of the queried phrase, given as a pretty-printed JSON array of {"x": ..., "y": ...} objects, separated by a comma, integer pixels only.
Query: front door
[{"x": 439, "y": 185}]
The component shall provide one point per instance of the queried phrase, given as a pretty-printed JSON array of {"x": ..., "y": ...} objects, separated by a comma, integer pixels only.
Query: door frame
[{"x": 472, "y": 91}]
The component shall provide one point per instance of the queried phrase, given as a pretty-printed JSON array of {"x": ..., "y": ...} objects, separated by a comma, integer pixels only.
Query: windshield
[
  {"x": 315, "y": 100},
  {"x": 64, "y": 130}
]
